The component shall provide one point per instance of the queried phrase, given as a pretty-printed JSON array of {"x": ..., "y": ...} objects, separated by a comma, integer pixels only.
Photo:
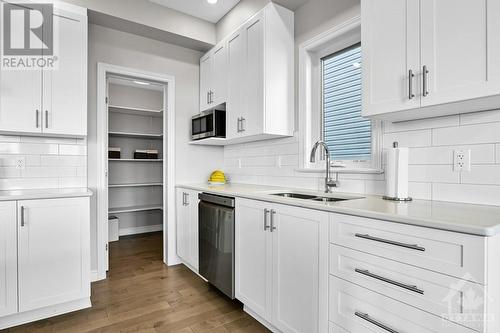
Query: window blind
[{"x": 346, "y": 132}]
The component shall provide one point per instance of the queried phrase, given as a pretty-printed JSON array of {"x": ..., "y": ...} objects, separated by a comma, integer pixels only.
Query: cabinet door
[
  {"x": 300, "y": 269},
  {"x": 253, "y": 257},
  {"x": 8, "y": 259},
  {"x": 219, "y": 90},
  {"x": 458, "y": 50},
  {"x": 390, "y": 47},
  {"x": 21, "y": 97},
  {"x": 253, "y": 116},
  {"x": 236, "y": 105},
  {"x": 205, "y": 81},
  {"x": 193, "y": 200},
  {"x": 65, "y": 87},
  {"x": 53, "y": 252},
  {"x": 183, "y": 225}
]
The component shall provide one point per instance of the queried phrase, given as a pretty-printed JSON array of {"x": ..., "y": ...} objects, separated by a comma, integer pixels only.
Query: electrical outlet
[
  {"x": 461, "y": 160},
  {"x": 20, "y": 163}
]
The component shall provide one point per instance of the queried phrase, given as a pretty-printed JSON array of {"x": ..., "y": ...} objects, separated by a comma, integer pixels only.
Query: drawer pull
[
  {"x": 366, "y": 317},
  {"x": 386, "y": 241},
  {"x": 381, "y": 278}
]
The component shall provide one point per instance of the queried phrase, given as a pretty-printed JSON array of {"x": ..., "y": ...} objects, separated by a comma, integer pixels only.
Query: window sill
[{"x": 343, "y": 170}]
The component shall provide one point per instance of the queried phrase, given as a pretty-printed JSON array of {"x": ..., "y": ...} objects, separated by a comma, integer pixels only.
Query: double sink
[{"x": 315, "y": 197}]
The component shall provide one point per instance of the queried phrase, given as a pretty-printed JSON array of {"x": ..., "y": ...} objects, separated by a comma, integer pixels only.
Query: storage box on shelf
[{"x": 238, "y": 72}]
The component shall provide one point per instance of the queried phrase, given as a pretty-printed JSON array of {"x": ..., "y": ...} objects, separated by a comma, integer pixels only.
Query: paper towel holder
[{"x": 395, "y": 145}]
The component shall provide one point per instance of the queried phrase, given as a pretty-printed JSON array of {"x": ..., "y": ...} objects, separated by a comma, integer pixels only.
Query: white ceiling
[{"x": 200, "y": 8}]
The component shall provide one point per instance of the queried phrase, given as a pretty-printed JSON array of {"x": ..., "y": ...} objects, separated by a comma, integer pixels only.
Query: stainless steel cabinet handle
[
  {"x": 425, "y": 72},
  {"x": 273, "y": 212},
  {"x": 367, "y": 318},
  {"x": 266, "y": 214},
  {"x": 208, "y": 97},
  {"x": 410, "y": 84},
  {"x": 386, "y": 241},
  {"x": 243, "y": 124},
  {"x": 23, "y": 211},
  {"x": 381, "y": 278},
  {"x": 37, "y": 118},
  {"x": 46, "y": 119},
  {"x": 239, "y": 125},
  {"x": 211, "y": 96}
]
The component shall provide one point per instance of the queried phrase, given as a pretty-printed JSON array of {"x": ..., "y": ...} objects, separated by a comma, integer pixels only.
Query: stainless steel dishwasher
[{"x": 216, "y": 241}]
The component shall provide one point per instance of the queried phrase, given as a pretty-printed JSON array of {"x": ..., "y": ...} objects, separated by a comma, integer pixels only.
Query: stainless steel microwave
[{"x": 209, "y": 124}]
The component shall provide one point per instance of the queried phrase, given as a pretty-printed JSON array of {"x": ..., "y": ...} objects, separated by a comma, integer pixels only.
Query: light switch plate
[{"x": 461, "y": 160}]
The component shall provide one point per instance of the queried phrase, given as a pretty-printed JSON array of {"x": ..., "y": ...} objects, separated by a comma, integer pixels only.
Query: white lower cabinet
[
  {"x": 187, "y": 226},
  {"x": 8, "y": 259},
  {"x": 358, "y": 310},
  {"x": 54, "y": 265},
  {"x": 45, "y": 258},
  {"x": 281, "y": 265}
]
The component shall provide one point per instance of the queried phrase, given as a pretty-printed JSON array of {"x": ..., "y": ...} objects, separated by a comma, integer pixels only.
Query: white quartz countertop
[
  {"x": 45, "y": 194},
  {"x": 472, "y": 219}
]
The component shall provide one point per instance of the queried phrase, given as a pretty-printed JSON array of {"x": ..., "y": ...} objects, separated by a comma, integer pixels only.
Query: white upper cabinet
[
  {"x": 50, "y": 101},
  {"x": 53, "y": 252},
  {"x": 390, "y": 50},
  {"x": 8, "y": 259},
  {"x": 65, "y": 88},
  {"x": 213, "y": 77},
  {"x": 257, "y": 66},
  {"x": 427, "y": 58}
]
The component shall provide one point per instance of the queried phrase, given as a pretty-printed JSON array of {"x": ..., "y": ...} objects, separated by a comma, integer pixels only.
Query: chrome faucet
[{"x": 329, "y": 182}]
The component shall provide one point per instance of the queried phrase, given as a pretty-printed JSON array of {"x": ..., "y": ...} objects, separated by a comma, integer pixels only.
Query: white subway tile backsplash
[
  {"x": 408, "y": 139},
  {"x": 476, "y": 194},
  {"x": 28, "y": 148},
  {"x": 258, "y": 161},
  {"x": 497, "y": 153},
  {"x": 470, "y": 134},
  {"x": 420, "y": 124},
  {"x": 422, "y": 191},
  {"x": 9, "y": 138},
  {"x": 433, "y": 173},
  {"x": 49, "y": 162},
  {"x": 482, "y": 174},
  {"x": 72, "y": 150},
  {"x": 480, "y": 117},
  {"x": 480, "y": 154}
]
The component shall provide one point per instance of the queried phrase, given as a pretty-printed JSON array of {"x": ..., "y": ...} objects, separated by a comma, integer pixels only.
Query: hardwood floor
[{"x": 141, "y": 294}]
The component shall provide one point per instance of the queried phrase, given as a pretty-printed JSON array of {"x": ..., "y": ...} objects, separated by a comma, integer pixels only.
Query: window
[{"x": 347, "y": 134}]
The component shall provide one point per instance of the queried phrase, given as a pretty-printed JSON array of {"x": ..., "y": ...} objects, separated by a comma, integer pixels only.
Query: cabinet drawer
[
  {"x": 436, "y": 293},
  {"x": 358, "y": 310},
  {"x": 451, "y": 253}
]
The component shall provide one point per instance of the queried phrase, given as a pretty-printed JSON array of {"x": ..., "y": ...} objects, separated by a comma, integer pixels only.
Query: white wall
[
  {"x": 192, "y": 163},
  {"x": 431, "y": 141}
]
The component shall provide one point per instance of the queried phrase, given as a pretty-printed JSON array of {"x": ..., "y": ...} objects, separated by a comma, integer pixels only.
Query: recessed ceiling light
[
  {"x": 212, "y": 2},
  {"x": 142, "y": 83}
]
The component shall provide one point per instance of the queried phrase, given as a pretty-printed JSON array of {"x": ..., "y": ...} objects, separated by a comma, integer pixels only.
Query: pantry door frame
[{"x": 169, "y": 245}]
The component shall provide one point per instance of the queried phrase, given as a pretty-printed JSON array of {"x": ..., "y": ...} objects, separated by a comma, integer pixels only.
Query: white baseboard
[
  {"x": 261, "y": 320},
  {"x": 140, "y": 230},
  {"x": 43, "y": 313}
]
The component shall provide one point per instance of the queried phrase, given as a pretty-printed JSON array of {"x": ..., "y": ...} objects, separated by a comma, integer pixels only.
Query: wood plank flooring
[{"x": 141, "y": 294}]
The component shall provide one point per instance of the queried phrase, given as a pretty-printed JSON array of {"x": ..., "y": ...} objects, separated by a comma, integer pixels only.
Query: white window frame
[{"x": 310, "y": 98}]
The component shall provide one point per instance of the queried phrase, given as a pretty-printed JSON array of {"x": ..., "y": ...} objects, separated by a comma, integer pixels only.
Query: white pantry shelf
[
  {"x": 134, "y": 185},
  {"x": 136, "y": 135},
  {"x": 130, "y": 209},
  {"x": 133, "y": 160},
  {"x": 135, "y": 111}
]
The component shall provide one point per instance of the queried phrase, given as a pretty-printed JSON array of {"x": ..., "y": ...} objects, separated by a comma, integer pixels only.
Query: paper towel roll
[{"x": 396, "y": 173}]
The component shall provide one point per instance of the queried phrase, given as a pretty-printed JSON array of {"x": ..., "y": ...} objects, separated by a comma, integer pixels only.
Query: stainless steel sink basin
[
  {"x": 329, "y": 199},
  {"x": 296, "y": 195},
  {"x": 316, "y": 197}
]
